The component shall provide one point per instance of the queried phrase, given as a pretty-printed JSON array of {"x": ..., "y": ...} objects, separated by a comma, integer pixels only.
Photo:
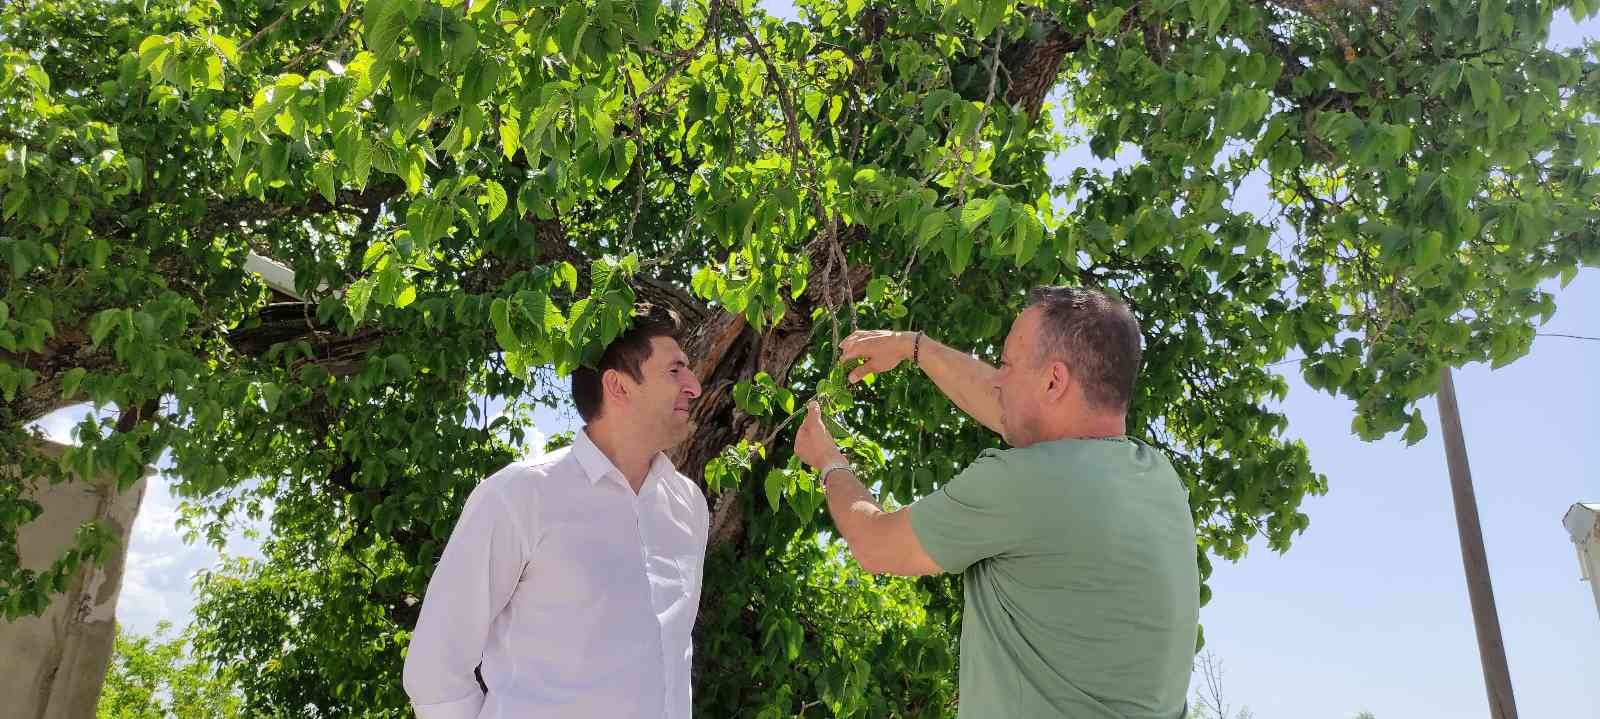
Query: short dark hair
[
  {"x": 627, "y": 353},
  {"x": 1096, "y": 336}
]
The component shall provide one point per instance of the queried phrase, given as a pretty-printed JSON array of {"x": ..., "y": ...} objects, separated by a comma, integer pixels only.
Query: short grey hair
[{"x": 1096, "y": 336}]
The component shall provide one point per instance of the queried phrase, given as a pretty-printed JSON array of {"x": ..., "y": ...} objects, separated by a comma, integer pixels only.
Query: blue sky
[{"x": 1369, "y": 609}]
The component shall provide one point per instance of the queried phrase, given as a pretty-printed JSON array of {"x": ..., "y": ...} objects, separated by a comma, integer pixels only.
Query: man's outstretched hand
[
  {"x": 813, "y": 444},
  {"x": 883, "y": 350}
]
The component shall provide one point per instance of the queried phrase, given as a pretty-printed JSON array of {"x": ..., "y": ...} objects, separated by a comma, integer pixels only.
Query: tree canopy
[
  {"x": 155, "y": 677},
  {"x": 472, "y": 195}
]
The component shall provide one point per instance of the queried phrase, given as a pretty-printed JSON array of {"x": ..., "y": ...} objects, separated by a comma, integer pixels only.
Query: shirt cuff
[{"x": 465, "y": 708}]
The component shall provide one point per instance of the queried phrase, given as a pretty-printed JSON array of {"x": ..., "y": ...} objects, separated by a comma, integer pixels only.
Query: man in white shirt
[{"x": 574, "y": 578}]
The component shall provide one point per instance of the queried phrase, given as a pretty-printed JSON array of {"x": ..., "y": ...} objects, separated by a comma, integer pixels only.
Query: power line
[
  {"x": 1536, "y": 334},
  {"x": 1570, "y": 337}
]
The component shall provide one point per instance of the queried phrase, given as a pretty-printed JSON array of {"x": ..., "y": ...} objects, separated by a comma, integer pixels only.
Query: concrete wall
[{"x": 55, "y": 663}]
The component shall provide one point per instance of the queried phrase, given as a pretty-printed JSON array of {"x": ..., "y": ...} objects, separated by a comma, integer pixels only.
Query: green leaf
[
  {"x": 936, "y": 102},
  {"x": 961, "y": 253},
  {"x": 1027, "y": 236},
  {"x": 567, "y": 275},
  {"x": 510, "y": 135},
  {"x": 999, "y": 215},
  {"x": 367, "y": 73},
  {"x": 15, "y": 198},
  {"x": 930, "y": 226},
  {"x": 357, "y": 297},
  {"x": 569, "y": 30},
  {"x": 151, "y": 51},
  {"x": 813, "y": 103},
  {"x": 382, "y": 23},
  {"x": 648, "y": 11},
  {"x": 500, "y": 318},
  {"x": 876, "y": 289},
  {"x": 990, "y": 15},
  {"x": 398, "y": 365},
  {"x": 774, "y": 485},
  {"x": 494, "y": 198},
  {"x": 1192, "y": 248},
  {"x": 322, "y": 174},
  {"x": 70, "y": 382},
  {"x": 38, "y": 76},
  {"x": 375, "y": 252},
  {"x": 1490, "y": 13},
  {"x": 228, "y": 48},
  {"x": 102, "y": 324},
  {"x": 1485, "y": 91},
  {"x": 1416, "y": 429},
  {"x": 271, "y": 393},
  {"x": 975, "y": 212},
  {"x": 1428, "y": 248},
  {"x": 603, "y": 129}
]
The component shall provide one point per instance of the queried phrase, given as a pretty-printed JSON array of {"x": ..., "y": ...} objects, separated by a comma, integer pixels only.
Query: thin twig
[
  {"x": 263, "y": 31},
  {"x": 972, "y": 139},
  {"x": 792, "y": 126},
  {"x": 844, "y": 267},
  {"x": 337, "y": 26},
  {"x": 638, "y": 202},
  {"x": 684, "y": 58}
]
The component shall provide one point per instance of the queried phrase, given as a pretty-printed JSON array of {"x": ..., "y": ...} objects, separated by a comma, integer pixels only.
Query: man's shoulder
[
  {"x": 689, "y": 489},
  {"x": 687, "y": 484},
  {"x": 528, "y": 474},
  {"x": 997, "y": 462},
  {"x": 1085, "y": 462}
]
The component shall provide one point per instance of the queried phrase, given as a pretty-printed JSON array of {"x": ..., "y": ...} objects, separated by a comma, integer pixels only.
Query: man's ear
[
  {"x": 1060, "y": 380},
  {"x": 613, "y": 386}
]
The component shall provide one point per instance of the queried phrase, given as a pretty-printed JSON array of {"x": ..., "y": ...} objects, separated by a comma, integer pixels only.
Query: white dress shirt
[{"x": 577, "y": 595}]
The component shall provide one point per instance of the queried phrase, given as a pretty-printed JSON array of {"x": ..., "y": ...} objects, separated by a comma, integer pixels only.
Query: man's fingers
[
  {"x": 859, "y": 372},
  {"x": 854, "y": 346},
  {"x": 853, "y": 338}
]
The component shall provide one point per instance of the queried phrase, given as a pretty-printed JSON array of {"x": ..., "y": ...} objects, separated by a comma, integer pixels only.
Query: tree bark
[{"x": 724, "y": 350}]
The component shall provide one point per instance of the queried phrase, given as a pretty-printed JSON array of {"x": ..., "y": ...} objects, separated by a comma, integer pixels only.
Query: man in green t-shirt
[{"x": 1076, "y": 547}]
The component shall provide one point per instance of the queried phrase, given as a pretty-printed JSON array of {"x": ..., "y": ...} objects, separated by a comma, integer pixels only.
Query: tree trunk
[{"x": 725, "y": 350}]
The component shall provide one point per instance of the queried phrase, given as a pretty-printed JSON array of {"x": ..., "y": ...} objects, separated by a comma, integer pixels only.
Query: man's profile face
[
  {"x": 660, "y": 408},
  {"x": 1017, "y": 383}
]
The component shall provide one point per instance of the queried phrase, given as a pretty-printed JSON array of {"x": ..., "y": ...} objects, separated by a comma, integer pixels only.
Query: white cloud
[
  {"x": 58, "y": 424},
  {"x": 157, "y": 582},
  {"x": 534, "y": 446}
]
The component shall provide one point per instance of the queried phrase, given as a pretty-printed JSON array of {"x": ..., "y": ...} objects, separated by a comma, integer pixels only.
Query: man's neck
[
  {"x": 1098, "y": 426},
  {"x": 631, "y": 457}
]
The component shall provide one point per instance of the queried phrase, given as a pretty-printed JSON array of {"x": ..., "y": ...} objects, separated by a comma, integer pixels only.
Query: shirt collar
[{"x": 596, "y": 465}]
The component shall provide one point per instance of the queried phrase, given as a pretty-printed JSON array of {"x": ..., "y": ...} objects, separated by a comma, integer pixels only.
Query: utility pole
[{"x": 1491, "y": 649}]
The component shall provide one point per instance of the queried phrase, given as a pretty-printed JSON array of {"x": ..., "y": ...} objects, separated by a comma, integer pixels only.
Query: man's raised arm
[{"x": 966, "y": 380}]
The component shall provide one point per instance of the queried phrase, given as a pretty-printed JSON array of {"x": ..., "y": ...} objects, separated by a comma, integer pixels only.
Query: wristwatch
[{"x": 822, "y": 479}]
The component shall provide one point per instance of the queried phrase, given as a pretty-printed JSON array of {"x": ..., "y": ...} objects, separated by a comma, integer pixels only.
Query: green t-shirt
[{"x": 1082, "y": 593}]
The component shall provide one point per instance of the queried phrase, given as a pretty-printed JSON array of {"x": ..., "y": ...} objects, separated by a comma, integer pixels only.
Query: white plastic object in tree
[
  {"x": 275, "y": 274},
  {"x": 1583, "y": 521}
]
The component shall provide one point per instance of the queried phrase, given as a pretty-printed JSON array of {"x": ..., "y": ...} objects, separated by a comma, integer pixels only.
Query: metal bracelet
[{"x": 822, "y": 479}]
